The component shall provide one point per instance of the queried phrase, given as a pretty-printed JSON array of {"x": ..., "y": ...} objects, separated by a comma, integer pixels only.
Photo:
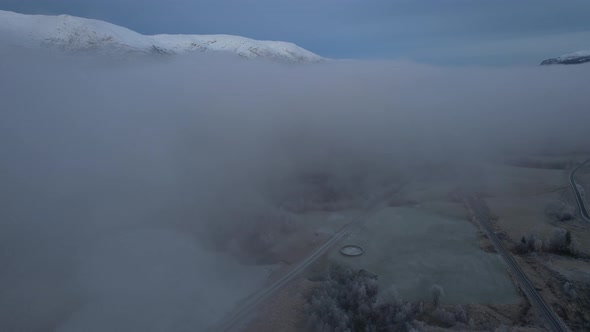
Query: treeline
[
  {"x": 347, "y": 300},
  {"x": 560, "y": 242}
]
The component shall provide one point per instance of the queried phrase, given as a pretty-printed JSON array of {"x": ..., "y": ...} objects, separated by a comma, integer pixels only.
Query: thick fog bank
[{"x": 123, "y": 185}]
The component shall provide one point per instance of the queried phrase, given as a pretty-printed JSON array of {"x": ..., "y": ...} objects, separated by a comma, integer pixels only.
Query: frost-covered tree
[
  {"x": 444, "y": 317},
  {"x": 461, "y": 315},
  {"x": 561, "y": 241},
  {"x": 346, "y": 300},
  {"x": 437, "y": 294}
]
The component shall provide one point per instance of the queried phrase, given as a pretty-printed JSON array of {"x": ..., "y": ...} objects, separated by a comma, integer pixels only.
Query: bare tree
[{"x": 437, "y": 293}]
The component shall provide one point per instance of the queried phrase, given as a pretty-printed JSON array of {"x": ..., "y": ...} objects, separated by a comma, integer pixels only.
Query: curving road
[
  {"x": 579, "y": 197},
  {"x": 481, "y": 213}
]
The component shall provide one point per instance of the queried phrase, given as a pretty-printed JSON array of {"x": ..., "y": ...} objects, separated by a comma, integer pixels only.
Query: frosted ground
[{"x": 413, "y": 249}]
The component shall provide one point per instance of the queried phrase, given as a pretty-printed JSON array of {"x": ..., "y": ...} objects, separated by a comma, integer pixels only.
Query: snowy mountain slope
[
  {"x": 75, "y": 34},
  {"x": 569, "y": 59}
]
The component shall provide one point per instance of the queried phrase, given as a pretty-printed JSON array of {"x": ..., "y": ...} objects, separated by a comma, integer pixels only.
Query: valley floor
[{"x": 427, "y": 239}]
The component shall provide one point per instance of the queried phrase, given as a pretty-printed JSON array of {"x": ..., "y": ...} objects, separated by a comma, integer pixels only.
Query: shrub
[
  {"x": 560, "y": 242},
  {"x": 461, "y": 315},
  {"x": 444, "y": 318},
  {"x": 569, "y": 290},
  {"x": 346, "y": 300},
  {"x": 560, "y": 211},
  {"x": 529, "y": 243}
]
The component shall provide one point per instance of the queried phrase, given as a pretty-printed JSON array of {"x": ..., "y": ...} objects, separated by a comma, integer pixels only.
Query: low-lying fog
[{"x": 130, "y": 190}]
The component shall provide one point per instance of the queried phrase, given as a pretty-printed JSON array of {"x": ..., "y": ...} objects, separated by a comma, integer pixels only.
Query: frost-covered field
[{"x": 414, "y": 249}]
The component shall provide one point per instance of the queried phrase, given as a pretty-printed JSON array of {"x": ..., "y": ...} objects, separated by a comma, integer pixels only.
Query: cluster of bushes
[
  {"x": 560, "y": 211},
  {"x": 445, "y": 317},
  {"x": 560, "y": 242},
  {"x": 529, "y": 243},
  {"x": 348, "y": 300},
  {"x": 449, "y": 317}
]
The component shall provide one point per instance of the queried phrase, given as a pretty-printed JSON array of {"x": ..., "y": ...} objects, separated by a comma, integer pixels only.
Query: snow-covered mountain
[
  {"x": 569, "y": 59},
  {"x": 74, "y": 34}
]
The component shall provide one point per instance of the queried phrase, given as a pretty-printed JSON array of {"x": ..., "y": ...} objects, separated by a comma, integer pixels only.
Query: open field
[
  {"x": 572, "y": 268},
  {"x": 414, "y": 249},
  {"x": 507, "y": 181},
  {"x": 520, "y": 216},
  {"x": 518, "y": 197},
  {"x": 424, "y": 238}
]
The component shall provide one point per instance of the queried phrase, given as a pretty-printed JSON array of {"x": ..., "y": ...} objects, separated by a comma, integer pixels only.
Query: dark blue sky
[{"x": 434, "y": 31}]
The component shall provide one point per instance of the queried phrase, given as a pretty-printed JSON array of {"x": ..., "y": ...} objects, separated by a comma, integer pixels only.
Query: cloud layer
[{"x": 117, "y": 178}]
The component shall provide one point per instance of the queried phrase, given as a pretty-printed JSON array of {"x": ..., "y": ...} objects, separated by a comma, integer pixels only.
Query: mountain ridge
[
  {"x": 569, "y": 59},
  {"x": 73, "y": 34}
]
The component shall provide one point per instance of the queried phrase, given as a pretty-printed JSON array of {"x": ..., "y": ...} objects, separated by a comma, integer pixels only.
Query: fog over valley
[{"x": 154, "y": 194}]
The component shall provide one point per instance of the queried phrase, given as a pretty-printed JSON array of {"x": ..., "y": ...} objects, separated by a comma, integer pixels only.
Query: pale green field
[{"x": 413, "y": 248}]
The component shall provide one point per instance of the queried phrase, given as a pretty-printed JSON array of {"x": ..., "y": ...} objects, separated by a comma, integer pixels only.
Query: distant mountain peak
[
  {"x": 73, "y": 34},
  {"x": 569, "y": 59}
]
